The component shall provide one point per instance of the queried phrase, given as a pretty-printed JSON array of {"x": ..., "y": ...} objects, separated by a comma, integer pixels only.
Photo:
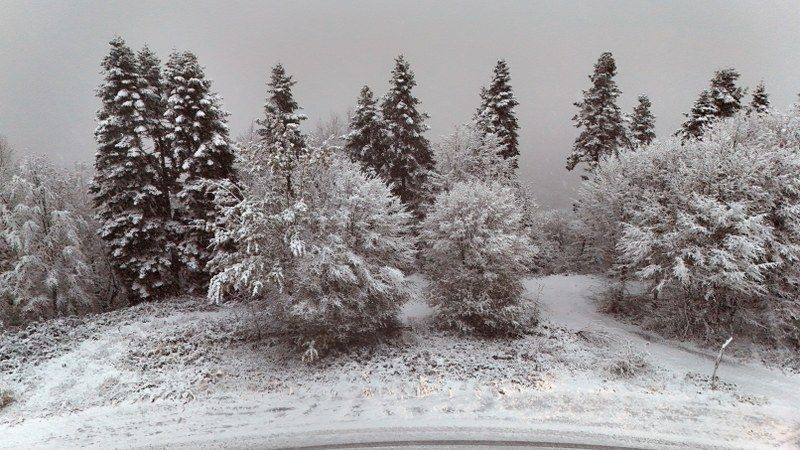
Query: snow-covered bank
[{"x": 184, "y": 374}]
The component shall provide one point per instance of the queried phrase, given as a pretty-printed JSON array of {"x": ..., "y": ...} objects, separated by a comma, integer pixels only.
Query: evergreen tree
[
  {"x": 199, "y": 138},
  {"x": 726, "y": 96},
  {"x": 367, "y": 140},
  {"x": 703, "y": 113},
  {"x": 722, "y": 99},
  {"x": 760, "y": 102},
  {"x": 409, "y": 158},
  {"x": 151, "y": 85},
  {"x": 280, "y": 129},
  {"x": 496, "y": 113},
  {"x": 131, "y": 207},
  {"x": 642, "y": 126},
  {"x": 599, "y": 117}
]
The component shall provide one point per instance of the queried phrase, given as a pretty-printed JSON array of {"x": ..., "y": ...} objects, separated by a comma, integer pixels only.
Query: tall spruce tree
[
  {"x": 760, "y": 101},
  {"x": 643, "y": 123},
  {"x": 496, "y": 114},
  {"x": 280, "y": 128},
  {"x": 409, "y": 158},
  {"x": 367, "y": 141},
  {"x": 204, "y": 153},
  {"x": 151, "y": 85},
  {"x": 702, "y": 115},
  {"x": 131, "y": 207},
  {"x": 726, "y": 96},
  {"x": 598, "y": 117}
]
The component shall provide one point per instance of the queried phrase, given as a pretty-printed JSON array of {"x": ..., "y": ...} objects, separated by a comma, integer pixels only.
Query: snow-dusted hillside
[{"x": 182, "y": 373}]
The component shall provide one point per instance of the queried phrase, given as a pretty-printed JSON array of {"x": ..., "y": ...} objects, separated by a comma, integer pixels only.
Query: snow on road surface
[{"x": 186, "y": 375}]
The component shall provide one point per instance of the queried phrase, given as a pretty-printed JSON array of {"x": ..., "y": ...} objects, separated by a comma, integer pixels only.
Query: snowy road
[{"x": 568, "y": 301}]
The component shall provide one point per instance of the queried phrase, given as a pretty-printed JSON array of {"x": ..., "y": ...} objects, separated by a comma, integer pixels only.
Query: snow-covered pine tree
[
  {"x": 409, "y": 158},
  {"x": 642, "y": 126},
  {"x": 367, "y": 141},
  {"x": 151, "y": 86},
  {"x": 760, "y": 102},
  {"x": 599, "y": 117},
  {"x": 198, "y": 134},
  {"x": 467, "y": 154},
  {"x": 701, "y": 116},
  {"x": 280, "y": 128},
  {"x": 726, "y": 96},
  {"x": 131, "y": 207},
  {"x": 496, "y": 114}
]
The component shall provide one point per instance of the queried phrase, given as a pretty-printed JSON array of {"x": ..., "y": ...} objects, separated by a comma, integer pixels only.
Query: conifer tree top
[
  {"x": 760, "y": 102},
  {"x": 399, "y": 105},
  {"x": 727, "y": 97},
  {"x": 599, "y": 117},
  {"x": 149, "y": 65},
  {"x": 280, "y": 100},
  {"x": 496, "y": 114},
  {"x": 642, "y": 122}
]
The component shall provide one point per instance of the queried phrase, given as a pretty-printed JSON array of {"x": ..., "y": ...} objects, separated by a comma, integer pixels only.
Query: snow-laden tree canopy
[
  {"x": 496, "y": 116},
  {"x": 467, "y": 154},
  {"x": 476, "y": 254},
  {"x": 198, "y": 137},
  {"x": 329, "y": 257},
  {"x": 599, "y": 118},
  {"x": 52, "y": 262},
  {"x": 714, "y": 222}
]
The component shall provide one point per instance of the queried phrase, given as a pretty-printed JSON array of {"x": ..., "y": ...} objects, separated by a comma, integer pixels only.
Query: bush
[
  {"x": 52, "y": 263},
  {"x": 627, "y": 362},
  {"x": 559, "y": 238},
  {"x": 330, "y": 258},
  {"x": 5, "y": 398},
  {"x": 476, "y": 254},
  {"x": 712, "y": 226}
]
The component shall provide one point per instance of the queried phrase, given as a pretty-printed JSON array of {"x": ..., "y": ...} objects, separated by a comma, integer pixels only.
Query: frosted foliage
[
  {"x": 495, "y": 115},
  {"x": 476, "y": 254},
  {"x": 198, "y": 135},
  {"x": 408, "y": 159},
  {"x": 715, "y": 222},
  {"x": 52, "y": 260},
  {"x": 132, "y": 204},
  {"x": 468, "y": 155},
  {"x": 330, "y": 257},
  {"x": 599, "y": 118},
  {"x": 367, "y": 139}
]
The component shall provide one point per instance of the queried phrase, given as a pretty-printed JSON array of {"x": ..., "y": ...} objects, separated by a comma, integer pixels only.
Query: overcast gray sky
[{"x": 50, "y": 54}]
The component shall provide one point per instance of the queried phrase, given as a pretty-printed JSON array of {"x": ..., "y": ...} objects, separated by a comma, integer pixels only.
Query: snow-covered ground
[{"x": 185, "y": 374}]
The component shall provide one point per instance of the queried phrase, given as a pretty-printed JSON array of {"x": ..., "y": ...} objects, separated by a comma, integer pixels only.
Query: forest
[
  {"x": 290, "y": 249},
  {"x": 329, "y": 224}
]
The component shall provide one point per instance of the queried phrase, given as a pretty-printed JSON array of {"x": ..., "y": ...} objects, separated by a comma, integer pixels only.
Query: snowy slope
[{"x": 182, "y": 374}]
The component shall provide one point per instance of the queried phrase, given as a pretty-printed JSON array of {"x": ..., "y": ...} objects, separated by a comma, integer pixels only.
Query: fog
[{"x": 50, "y": 55}]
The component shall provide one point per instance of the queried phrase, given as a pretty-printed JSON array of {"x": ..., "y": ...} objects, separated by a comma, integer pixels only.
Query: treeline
[
  {"x": 706, "y": 220},
  {"x": 324, "y": 227},
  {"x": 326, "y": 232}
]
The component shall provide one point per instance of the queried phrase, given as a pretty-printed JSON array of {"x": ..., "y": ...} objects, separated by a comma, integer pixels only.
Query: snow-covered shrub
[
  {"x": 53, "y": 262},
  {"x": 560, "y": 242},
  {"x": 5, "y": 398},
  {"x": 329, "y": 253},
  {"x": 713, "y": 226},
  {"x": 467, "y": 154},
  {"x": 627, "y": 362},
  {"x": 476, "y": 254}
]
